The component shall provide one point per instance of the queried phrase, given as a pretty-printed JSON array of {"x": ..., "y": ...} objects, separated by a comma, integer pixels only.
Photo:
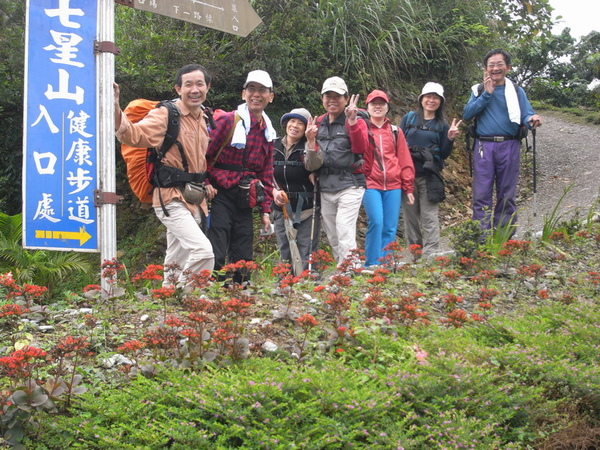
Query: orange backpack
[{"x": 141, "y": 163}]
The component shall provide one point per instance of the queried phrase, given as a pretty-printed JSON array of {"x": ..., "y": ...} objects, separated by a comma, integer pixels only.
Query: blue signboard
[{"x": 60, "y": 161}]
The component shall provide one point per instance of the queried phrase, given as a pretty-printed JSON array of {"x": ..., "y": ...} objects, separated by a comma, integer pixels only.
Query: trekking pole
[
  {"x": 534, "y": 174},
  {"x": 470, "y": 151},
  {"x": 312, "y": 225}
]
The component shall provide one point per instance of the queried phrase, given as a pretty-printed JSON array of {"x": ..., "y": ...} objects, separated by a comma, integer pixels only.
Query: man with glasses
[
  {"x": 500, "y": 108},
  {"x": 247, "y": 155},
  {"x": 340, "y": 138}
]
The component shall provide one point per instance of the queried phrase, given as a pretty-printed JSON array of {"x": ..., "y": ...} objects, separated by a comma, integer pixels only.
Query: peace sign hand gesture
[
  {"x": 311, "y": 132},
  {"x": 352, "y": 110},
  {"x": 453, "y": 131}
]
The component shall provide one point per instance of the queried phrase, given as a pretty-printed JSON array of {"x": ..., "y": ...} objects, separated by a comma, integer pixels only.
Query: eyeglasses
[
  {"x": 261, "y": 90},
  {"x": 498, "y": 65}
]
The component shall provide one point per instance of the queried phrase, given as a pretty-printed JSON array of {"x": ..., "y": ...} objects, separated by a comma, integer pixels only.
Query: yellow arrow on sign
[
  {"x": 82, "y": 236},
  {"x": 231, "y": 16}
]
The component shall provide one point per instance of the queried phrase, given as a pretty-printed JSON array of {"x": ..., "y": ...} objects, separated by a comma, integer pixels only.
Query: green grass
[
  {"x": 389, "y": 362},
  {"x": 578, "y": 115}
]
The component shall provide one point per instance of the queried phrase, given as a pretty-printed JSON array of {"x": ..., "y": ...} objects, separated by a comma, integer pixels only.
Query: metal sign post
[{"x": 105, "y": 196}]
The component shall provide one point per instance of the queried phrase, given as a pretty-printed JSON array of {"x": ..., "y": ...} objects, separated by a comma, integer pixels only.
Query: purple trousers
[{"x": 495, "y": 163}]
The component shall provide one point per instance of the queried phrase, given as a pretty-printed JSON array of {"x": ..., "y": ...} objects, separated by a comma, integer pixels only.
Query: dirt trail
[{"x": 568, "y": 154}]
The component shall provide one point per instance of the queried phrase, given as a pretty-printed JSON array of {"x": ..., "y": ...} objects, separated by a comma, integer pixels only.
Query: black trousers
[{"x": 230, "y": 231}]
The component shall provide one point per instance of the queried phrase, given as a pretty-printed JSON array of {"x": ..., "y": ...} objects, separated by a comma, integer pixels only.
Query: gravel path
[{"x": 568, "y": 154}]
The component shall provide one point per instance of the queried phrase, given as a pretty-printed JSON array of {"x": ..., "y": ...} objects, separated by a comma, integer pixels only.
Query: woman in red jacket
[{"x": 389, "y": 171}]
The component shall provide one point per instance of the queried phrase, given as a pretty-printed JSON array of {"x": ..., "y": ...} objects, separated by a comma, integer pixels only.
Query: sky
[{"x": 581, "y": 16}]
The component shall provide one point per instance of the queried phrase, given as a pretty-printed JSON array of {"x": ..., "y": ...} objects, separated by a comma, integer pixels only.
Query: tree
[
  {"x": 395, "y": 45},
  {"x": 541, "y": 57},
  {"x": 557, "y": 70},
  {"x": 12, "y": 22}
]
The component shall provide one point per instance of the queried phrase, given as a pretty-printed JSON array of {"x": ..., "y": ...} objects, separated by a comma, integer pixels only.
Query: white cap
[
  {"x": 260, "y": 77},
  {"x": 335, "y": 84},
  {"x": 432, "y": 88}
]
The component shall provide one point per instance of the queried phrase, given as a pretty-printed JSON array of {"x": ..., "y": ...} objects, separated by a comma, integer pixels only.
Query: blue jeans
[{"x": 383, "y": 210}]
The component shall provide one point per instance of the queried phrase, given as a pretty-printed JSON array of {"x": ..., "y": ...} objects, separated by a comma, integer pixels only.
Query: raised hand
[
  {"x": 453, "y": 131},
  {"x": 311, "y": 130},
  {"x": 488, "y": 83},
  {"x": 352, "y": 110},
  {"x": 116, "y": 95}
]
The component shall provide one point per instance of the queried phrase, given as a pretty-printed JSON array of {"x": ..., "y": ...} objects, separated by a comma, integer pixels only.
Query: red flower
[
  {"x": 452, "y": 299},
  {"x": 71, "y": 346},
  {"x": 456, "y": 317},
  {"x": 131, "y": 346},
  {"x": 32, "y": 291},
  {"x": 488, "y": 294},
  {"x": 442, "y": 261},
  {"x": 153, "y": 272},
  {"x": 451, "y": 274},
  {"x": 415, "y": 249},
  {"x": 221, "y": 335},
  {"x": 377, "y": 279},
  {"x": 467, "y": 262},
  {"x": 198, "y": 317},
  {"x": 320, "y": 259},
  {"x": 161, "y": 338},
  {"x": 110, "y": 268},
  {"x": 393, "y": 247},
  {"x": 306, "y": 321},
  {"x": 514, "y": 244},
  {"x": 236, "y": 306},
  {"x": 91, "y": 287},
  {"x": 12, "y": 310},
  {"x": 281, "y": 269},
  {"x": 163, "y": 293},
  {"x": 172, "y": 321},
  {"x": 6, "y": 279},
  {"x": 340, "y": 280}
]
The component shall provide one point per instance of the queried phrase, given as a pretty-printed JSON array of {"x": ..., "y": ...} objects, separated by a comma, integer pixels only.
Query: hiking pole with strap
[
  {"x": 534, "y": 174},
  {"x": 312, "y": 225},
  {"x": 469, "y": 153}
]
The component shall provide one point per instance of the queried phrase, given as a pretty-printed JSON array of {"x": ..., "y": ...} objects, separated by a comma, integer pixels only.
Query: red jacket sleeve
[
  {"x": 359, "y": 136},
  {"x": 407, "y": 174}
]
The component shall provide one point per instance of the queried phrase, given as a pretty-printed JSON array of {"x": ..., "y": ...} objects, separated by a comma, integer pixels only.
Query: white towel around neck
[
  {"x": 238, "y": 139},
  {"x": 512, "y": 100}
]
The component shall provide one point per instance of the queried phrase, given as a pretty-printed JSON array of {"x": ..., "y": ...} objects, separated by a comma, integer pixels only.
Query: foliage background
[{"x": 395, "y": 45}]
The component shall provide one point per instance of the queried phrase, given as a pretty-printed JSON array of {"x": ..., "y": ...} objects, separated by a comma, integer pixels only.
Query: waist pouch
[
  {"x": 166, "y": 176},
  {"x": 436, "y": 189},
  {"x": 251, "y": 192},
  {"x": 194, "y": 193}
]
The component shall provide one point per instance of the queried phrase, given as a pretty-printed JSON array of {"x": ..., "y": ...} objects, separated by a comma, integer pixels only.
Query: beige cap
[{"x": 335, "y": 84}]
